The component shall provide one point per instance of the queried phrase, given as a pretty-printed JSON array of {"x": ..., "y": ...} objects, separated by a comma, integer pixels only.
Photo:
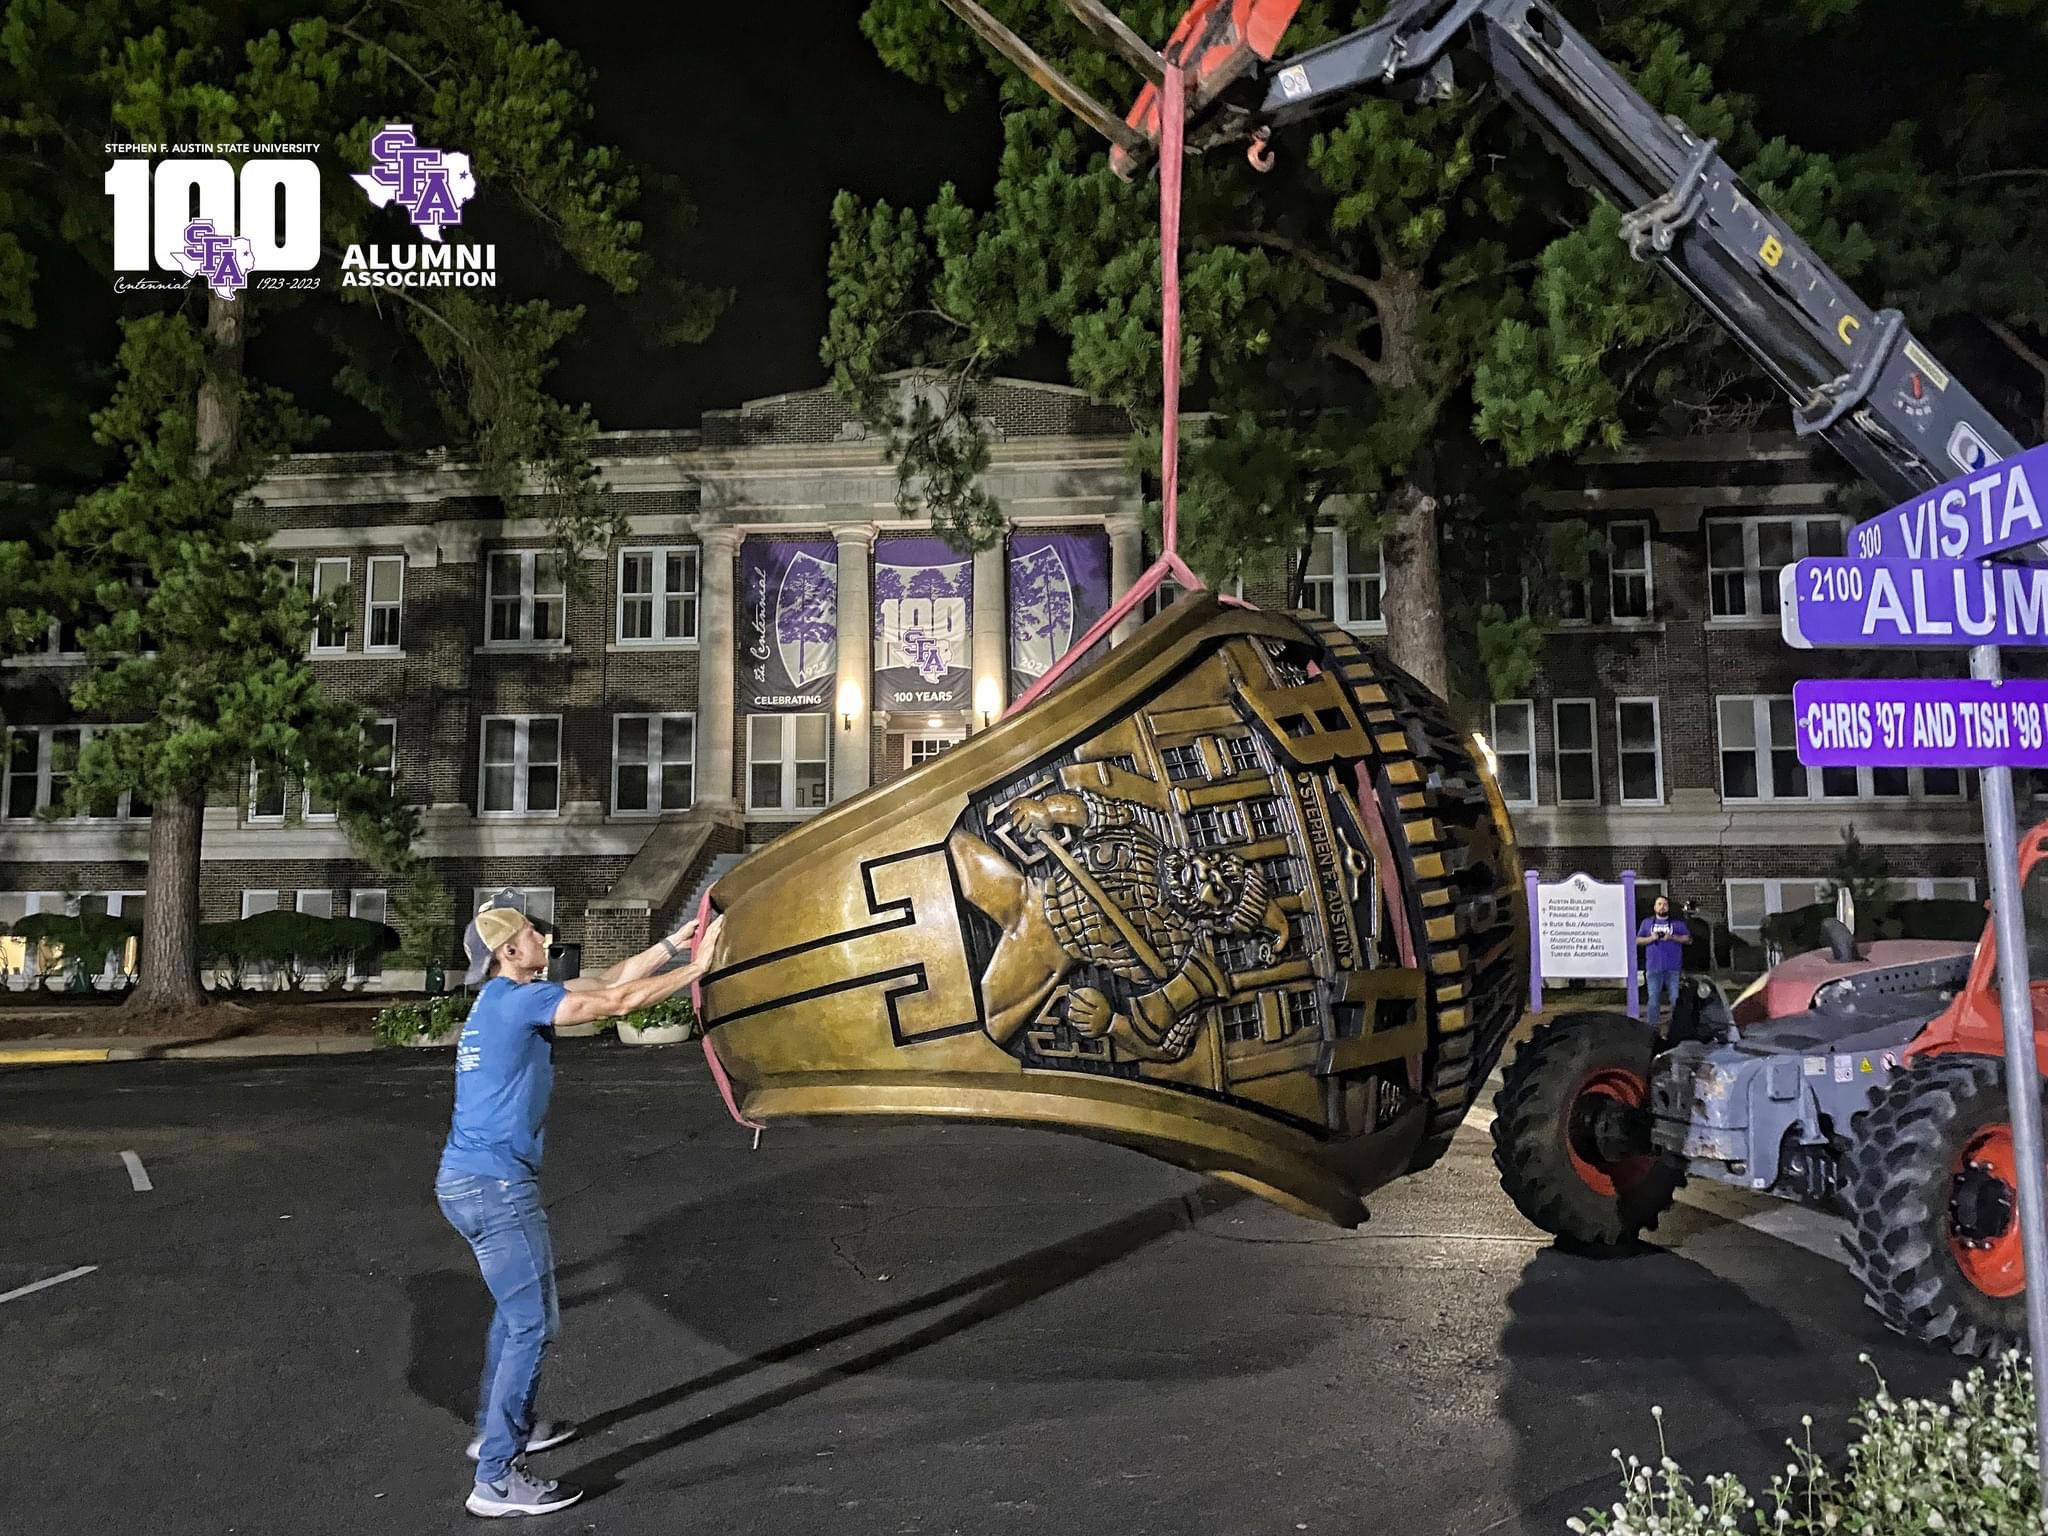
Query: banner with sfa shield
[
  {"x": 1059, "y": 586},
  {"x": 924, "y": 603},
  {"x": 1927, "y": 603},
  {"x": 788, "y": 623},
  {"x": 1913, "y": 722},
  {"x": 1978, "y": 514}
]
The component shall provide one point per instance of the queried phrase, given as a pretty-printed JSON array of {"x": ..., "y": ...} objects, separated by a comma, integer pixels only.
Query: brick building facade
[{"x": 581, "y": 736}]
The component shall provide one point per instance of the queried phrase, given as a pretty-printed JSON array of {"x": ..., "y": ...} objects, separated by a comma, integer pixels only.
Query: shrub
[
  {"x": 1799, "y": 929},
  {"x": 435, "y": 1019},
  {"x": 291, "y": 943},
  {"x": 86, "y": 938},
  {"x": 1964, "y": 1467},
  {"x": 670, "y": 1010}
]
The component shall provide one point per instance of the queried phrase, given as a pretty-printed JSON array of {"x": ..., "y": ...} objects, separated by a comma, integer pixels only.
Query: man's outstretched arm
[
  {"x": 586, "y": 1004},
  {"x": 634, "y": 967}
]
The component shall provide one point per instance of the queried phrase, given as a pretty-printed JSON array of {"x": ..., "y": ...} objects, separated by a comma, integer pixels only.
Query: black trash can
[{"x": 565, "y": 962}]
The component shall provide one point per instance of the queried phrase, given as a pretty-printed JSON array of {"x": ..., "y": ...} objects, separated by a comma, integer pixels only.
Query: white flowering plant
[{"x": 1966, "y": 1466}]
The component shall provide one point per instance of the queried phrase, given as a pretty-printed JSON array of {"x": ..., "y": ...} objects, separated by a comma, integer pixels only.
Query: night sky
[{"x": 764, "y": 113}]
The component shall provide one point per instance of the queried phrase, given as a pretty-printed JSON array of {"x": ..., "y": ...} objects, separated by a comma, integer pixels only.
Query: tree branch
[
  {"x": 361, "y": 41},
  {"x": 2011, "y": 338},
  {"x": 1371, "y": 367},
  {"x": 1371, "y": 287}
]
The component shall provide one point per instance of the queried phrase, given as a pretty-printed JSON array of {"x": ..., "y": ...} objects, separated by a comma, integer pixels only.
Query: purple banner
[
  {"x": 789, "y": 623},
  {"x": 1930, "y": 603},
  {"x": 1993, "y": 508},
  {"x": 924, "y": 607},
  {"x": 1921, "y": 723},
  {"x": 1059, "y": 585}
]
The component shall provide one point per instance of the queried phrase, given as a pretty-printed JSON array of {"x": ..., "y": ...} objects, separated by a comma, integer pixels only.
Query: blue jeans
[
  {"x": 502, "y": 1221},
  {"x": 1662, "y": 988}
]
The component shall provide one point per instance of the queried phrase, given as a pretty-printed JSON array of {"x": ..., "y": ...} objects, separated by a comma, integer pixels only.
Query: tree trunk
[
  {"x": 1412, "y": 590},
  {"x": 170, "y": 921},
  {"x": 170, "y": 918}
]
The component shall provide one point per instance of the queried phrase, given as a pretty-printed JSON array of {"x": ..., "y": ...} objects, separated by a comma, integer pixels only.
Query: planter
[
  {"x": 430, "y": 1042},
  {"x": 659, "y": 1034},
  {"x": 580, "y": 1031}
]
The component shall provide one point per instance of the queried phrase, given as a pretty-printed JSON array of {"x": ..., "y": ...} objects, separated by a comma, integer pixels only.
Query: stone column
[
  {"x": 716, "y": 697},
  {"x": 852, "y": 748},
  {"x": 991, "y": 656},
  {"x": 1126, "y": 562}
]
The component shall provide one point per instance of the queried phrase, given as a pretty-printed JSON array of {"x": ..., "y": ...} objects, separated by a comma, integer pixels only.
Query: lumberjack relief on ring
[{"x": 1153, "y": 908}]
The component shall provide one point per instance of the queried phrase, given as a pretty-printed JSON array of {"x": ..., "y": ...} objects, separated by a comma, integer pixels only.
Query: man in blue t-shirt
[
  {"x": 488, "y": 1184},
  {"x": 1662, "y": 939}
]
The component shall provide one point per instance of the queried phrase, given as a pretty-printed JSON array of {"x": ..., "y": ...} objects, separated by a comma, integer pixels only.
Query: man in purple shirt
[{"x": 1662, "y": 939}]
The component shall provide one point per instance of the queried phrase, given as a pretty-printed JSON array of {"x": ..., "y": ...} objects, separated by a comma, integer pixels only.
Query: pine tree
[{"x": 196, "y": 638}]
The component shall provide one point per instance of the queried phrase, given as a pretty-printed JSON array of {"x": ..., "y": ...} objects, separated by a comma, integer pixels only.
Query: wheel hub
[
  {"x": 1606, "y": 1130},
  {"x": 1980, "y": 1209}
]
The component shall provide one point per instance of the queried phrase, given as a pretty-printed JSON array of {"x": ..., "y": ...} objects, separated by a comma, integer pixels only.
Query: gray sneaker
[
  {"x": 520, "y": 1494},
  {"x": 546, "y": 1435}
]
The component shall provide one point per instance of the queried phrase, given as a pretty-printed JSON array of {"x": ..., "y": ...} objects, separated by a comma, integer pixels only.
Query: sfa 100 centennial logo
[
  {"x": 431, "y": 185},
  {"x": 199, "y": 216}
]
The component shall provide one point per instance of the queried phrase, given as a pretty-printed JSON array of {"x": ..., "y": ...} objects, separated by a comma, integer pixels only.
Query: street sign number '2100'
[{"x": 1928, "y": 603}]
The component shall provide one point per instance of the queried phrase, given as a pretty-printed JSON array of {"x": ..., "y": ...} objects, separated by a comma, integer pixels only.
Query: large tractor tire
[
  {"x": 1571, "y": 1131},
  {"x": 1932, "y": 1188}
]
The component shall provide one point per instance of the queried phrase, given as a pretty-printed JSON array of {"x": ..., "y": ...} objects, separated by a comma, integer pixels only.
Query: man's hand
[
  {"x": 683, "y": 934},
  {"x": 710, "y": 951},
  {"x": 1090, "y": 1012}
]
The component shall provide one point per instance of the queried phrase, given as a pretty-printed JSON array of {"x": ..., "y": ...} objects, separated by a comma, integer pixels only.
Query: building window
[
  {"x": 316, "y": 903},
  {"x": 657, "y": 596},
  {"x": 786, "y": 763},
  {"x": 38, "y": 767},
  {"x": 922, "y": 749},
  {"x": 258, "y": 901},
  {"x": 525, "y": 597},
  {"x": 522, "y": 766},
  {"x": 266, "y": 792},
  {"x": 1240, "y": 1021},
  {"x": 1304, "y": 1012},
  {"x": 1751, "y": 901},
  {"x": 1639, "y": 738},
  {"x": 382, "y": 736},
  {"x": 1760, "y": 761},
  {"x": 330, "y": 630},
  {"x": 368, "y": 907},
  {"x": 1242, "y": 754},
  {"x": 1744, "y": 556},
  {"x": 1265, "y": 817},
  {"x": 1935, "y": 889},
  {"x": 1577, "y": 752},
  {"x": 1213, "y": 826},
  {"x": 536, "y": 901},
  {"x": 61, "y": 642},
  {"x": 654, "y": 763},
  {"x": 1183, "y": 763},
  {"x": 383, "y": 602},
  {"x": 1283, "y": 876},
  {"x": 1514, "y": 749},
  {"x": 1343, "y": 582},
  {"x": 1630, "y": 594}
]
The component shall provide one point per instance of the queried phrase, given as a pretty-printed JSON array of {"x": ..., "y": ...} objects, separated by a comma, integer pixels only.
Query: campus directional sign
[
  {"x": 1986, "y": 512},
  {"x": 1912, "y": 722},
  {"x": 1924, "y": 603}
]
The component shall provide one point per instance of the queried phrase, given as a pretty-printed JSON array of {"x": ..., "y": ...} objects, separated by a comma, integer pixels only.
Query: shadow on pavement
[
  {"x": 1590, "y": 1345},
  {"x": 988, "y": 1294}
]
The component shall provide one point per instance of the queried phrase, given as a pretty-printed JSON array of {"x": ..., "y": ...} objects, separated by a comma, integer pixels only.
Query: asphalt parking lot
[{"x": 897, "y": 1329}]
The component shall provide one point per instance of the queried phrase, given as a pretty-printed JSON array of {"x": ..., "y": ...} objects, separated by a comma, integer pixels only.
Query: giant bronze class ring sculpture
[{"x": 1240, "y": 896}]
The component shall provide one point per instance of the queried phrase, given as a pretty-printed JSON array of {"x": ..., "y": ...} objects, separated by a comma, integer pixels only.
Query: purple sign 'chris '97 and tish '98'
[
  {"x": 1920, "y": 603},
  {"x": 1911, "y": 722}
]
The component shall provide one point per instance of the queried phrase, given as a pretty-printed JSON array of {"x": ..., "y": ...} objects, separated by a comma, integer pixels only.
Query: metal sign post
[{"x": 1943, "y": 594}]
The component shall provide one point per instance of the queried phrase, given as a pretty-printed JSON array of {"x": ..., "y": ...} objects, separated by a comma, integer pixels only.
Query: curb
[{"x": 199, "y": 1050}]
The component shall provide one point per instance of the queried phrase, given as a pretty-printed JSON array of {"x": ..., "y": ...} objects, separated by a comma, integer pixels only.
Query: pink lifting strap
[{"x": 1172, "y": 107}]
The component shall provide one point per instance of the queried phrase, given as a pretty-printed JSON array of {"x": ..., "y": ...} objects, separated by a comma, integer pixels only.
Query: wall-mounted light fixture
[
  {"x": 849, "y": 703},
  {"x": 988, "y": 701}
]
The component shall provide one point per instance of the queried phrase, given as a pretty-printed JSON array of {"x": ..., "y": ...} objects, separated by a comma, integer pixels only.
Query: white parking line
[
  {"x": 43, "y": 1285},
  {"x": 136, "y": 1175}
]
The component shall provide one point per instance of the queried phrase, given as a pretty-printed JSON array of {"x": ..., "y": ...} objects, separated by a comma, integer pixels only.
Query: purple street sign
[
  {"x": 1993, "y": 508},
  {"x": 1910, "y": 722},
  {"x": 1929, "y": 603}
]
